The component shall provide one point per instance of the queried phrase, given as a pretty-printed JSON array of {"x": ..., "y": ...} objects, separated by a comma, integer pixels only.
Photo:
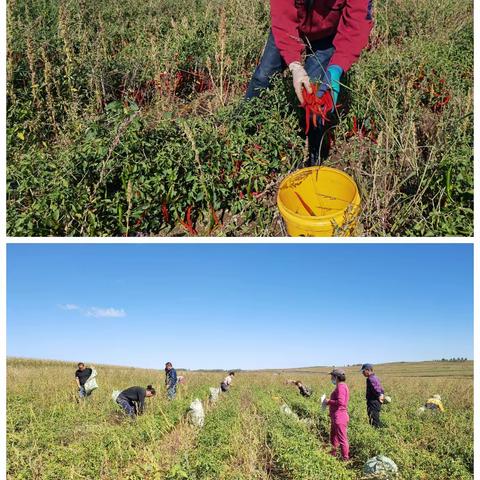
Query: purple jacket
[
  {"x": 374, "y": 388},
  {"x": 338, "y": 404}
]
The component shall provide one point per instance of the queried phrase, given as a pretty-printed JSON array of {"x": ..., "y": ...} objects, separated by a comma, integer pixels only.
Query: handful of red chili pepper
[{"x": 315, "y": 106}]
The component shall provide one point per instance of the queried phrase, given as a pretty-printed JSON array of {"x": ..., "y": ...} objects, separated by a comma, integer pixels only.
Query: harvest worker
[
  {"x": 374, "y": 395},
  {"x": 318, "y": 40},
  {"x": 132, "y": 400},
  {"x": 170, "y": 380},
  {"x": 338, "y": 408},
  {"x": 303, "y": 389},
  {"x": 81, "y": 376},
  {"x": 225, "y": 385},
  {"x": 435, "y": 403}
]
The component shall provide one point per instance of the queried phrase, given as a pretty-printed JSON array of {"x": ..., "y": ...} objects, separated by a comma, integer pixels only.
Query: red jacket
[{"x": 350, "y": 21}]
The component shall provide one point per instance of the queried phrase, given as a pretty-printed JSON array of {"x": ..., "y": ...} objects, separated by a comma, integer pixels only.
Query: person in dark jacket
[
  {"x": 331, "y": 34},
  {"x": 303, "y": 389},
  {"x": 81, "y": 376},
  {"x": 374, "y": 395},
  {"x": 170, "y": 380},
  {"x": 132, "y": 400}
]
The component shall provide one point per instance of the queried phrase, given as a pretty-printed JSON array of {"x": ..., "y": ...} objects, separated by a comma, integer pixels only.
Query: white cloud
[
  {"x": 106, "y": 312},
  {"x": 69, "y": 306}
]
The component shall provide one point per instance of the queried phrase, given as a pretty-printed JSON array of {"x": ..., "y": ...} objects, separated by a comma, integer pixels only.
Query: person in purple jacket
[
  {"x": 374, "y": 395},
  {"x": 338, "y": 408}
]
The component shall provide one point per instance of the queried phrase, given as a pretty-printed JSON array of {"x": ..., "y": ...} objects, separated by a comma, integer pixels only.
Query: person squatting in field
[
  {"x": 132, "y": 400},
  {"x": 435, "y": 403},
  {"x": 330, "y": 34},
  {"x": 374, "y": 395},
  {"x": 225, "y": 385},
  {"x": 338, "y": 409},
  {"x": 81, "y": 376},
  {"x": 303, "y": 389},
  {"x": 170, "y": 380}
]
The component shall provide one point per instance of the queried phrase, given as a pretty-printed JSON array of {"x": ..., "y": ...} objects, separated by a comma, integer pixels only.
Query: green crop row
[
  {"x": 86, "y": 440},
  {"x": 297, "y": 453},
  {"x": 213, "y": 449}
]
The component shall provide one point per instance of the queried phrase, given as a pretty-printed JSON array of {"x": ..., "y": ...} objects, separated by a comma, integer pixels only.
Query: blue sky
[{"x": 239, "y": 305}]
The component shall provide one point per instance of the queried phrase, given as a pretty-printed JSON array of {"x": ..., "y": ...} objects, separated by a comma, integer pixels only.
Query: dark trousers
[
  {"x": 127, "y": 406},
  {"x": 373, "y": 411},
  {"x": 318, "y": 58}
]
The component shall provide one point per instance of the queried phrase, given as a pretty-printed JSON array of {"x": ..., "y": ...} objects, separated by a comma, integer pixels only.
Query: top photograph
[{"x": 251, "y": 118}]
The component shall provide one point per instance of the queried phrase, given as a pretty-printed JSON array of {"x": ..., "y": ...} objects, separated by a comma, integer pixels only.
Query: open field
[
  {"x": 246, "y": 436},
  {"x": 123, "y": 119}
]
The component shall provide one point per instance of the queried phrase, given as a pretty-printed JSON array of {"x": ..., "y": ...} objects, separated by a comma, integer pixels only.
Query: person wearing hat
[
  {"x": 435, "y": 403},
  {"x": 374, "y": 395},
  {"x": 338, "y": 409}
]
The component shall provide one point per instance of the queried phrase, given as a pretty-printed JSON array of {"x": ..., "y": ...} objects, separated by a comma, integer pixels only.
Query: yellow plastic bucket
[{"x": 319, "y": 202}]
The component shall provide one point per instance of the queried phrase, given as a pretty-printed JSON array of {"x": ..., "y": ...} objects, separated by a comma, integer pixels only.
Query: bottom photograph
[{"x": 240, "y": 361}]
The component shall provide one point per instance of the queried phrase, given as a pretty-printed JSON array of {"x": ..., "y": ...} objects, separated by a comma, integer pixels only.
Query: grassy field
[
  {"x": 50, "y": 435},
  {"x": 123, "y": 120}
]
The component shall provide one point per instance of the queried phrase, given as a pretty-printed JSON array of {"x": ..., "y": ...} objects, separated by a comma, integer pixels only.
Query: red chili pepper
[
  {"x": 315, "y": 106},
  {"x": 188, "y": 225},
  {"x": 214, "y": 215},
  {"x": 165, "y": 213}
]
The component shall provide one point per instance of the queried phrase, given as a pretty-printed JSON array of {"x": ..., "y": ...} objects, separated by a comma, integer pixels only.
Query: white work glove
[
  {"x": 324, "y": 401},
  {"x": 300, "y": 79}
]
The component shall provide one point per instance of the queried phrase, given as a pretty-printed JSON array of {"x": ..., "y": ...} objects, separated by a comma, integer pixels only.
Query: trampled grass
[
  {"x": 50, "y": 435},
  {"x": 124, "y": 119}
]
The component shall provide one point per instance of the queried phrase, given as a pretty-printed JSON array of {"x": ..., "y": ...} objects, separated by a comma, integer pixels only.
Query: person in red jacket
[
  {"x": 318, "y": 40},
  {"x": 338, "y": 406}
]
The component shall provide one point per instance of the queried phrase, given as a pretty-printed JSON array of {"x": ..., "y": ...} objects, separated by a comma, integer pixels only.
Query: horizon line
[{"x": 243, "y": 369}]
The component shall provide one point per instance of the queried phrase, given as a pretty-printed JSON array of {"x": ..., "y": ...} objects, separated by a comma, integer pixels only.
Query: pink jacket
[
  {"x": 338, "y": 404},
  {"x": 349, "y": 20}
]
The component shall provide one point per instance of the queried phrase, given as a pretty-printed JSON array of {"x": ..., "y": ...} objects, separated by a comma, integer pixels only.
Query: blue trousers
[
  {"x": 82, "y": 393},
  {"x": 171, "y": 392},
  {"x": 316, "y": 63}
]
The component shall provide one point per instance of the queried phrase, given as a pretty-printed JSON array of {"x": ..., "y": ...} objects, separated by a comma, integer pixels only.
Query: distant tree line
[{"x": 455, "y": 359}]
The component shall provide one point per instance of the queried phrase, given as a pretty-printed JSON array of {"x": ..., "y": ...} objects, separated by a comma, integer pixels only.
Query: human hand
[
  {"x": 331, "y": 82},
  {"x": 300, "y": 79}
]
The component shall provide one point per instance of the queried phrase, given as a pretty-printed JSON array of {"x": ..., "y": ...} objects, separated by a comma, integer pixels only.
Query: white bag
[
  {"x": 197, "y": 415},
  {"x": 115, "y": 395},
  {"x": 288, "y": 411},
  {"x": 324, "y": 405},
  {"x": 214, "y": 393},
  {"x": 91, "y": 384},
  {"x": 380, "y": 465}
]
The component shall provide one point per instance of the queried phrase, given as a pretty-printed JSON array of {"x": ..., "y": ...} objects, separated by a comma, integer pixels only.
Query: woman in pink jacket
[
  {"x": 318, "y": 40},
  {"x": 338, "y": 406}
]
